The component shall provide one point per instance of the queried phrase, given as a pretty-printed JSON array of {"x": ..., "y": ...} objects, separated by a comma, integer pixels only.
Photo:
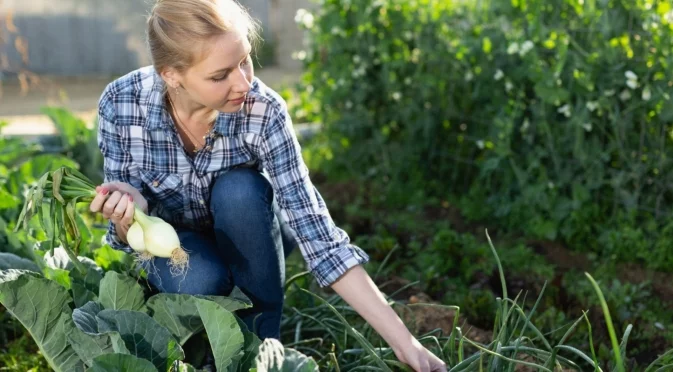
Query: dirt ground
[{"x": 21, "y": 109}]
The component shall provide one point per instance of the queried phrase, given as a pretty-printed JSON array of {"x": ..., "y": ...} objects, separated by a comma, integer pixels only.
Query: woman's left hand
[{"x": 419, "y": 358}]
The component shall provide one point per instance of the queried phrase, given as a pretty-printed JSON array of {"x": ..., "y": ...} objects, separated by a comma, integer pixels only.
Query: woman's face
[{"x": 222, "y": 77}]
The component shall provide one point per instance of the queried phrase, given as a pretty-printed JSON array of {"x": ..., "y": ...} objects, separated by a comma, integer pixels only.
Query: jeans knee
[{"x": 241, "y": 189}]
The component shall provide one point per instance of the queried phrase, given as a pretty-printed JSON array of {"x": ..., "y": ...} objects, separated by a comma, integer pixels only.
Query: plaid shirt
[{"x": 141, "y": 147}]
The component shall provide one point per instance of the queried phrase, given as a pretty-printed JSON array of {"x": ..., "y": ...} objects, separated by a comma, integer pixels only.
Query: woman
[{"x": 197, "y": 140}]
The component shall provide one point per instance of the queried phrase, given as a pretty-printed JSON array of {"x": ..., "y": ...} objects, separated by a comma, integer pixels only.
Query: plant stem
[{"x": 608, "y": 321}]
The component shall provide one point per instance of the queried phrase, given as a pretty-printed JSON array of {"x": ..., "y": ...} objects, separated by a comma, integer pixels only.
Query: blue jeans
[{"x": 247, "y": 249}]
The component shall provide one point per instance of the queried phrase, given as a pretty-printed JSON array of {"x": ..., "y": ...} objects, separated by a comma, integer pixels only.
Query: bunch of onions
[
  {"x": 54, "y": 198},
  {"x": 152, "y": 237}
]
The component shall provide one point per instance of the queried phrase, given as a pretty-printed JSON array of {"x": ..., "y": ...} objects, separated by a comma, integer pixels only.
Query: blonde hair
[{"x": 178, "y": 30}]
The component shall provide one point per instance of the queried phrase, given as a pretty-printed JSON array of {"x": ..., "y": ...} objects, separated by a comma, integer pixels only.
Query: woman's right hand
[{"x": 115, "y": 200}]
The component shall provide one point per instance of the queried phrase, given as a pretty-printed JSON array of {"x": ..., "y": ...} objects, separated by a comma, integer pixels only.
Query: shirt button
[
  {"x": 208, "y": 148},
  {"x": 202, "y": 202},
  {"x": 155, "y": 183}
]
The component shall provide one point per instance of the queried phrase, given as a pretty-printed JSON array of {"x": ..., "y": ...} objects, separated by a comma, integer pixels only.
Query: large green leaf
[
  {"x": 59, "y": 259},
  {"x": 13, "y": 274},
  {"x": 109, "y": 258},
  {"x": 121, "y": 292},
  {"x": 273, "y": 357},
  {"x": 121, "y": 363},
  {"x": 142, "y": 335},
  {"x": 85, "y": 318},
  {"x": 89, "y": 280},
  {"x": 270, "y": 355},
  {"x": 41, "y": 164},
  {"x": 85, "y": 337},
  {"x": 12, "y": 261},
  {"x": 298, "y": 362},
  {"x": 89, "y": 347},
  {"x": 185, "y": 367},
  {"x": 60, "y": 268},
  {"x": 60, "y": 276},
  {"x": 178, "y": 312},
  {"x": 71, "y": 128},
  {"x": 224, "y": 333},
  {"x": 8, "y": 200},
  {"x": 41, "y": 305},
  {"x": 246, "y": 358},
  {"x": 81, "y": 295}
]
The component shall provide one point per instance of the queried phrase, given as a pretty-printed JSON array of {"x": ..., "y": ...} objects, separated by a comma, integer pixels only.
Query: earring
[{"x": 177, "y": 92}]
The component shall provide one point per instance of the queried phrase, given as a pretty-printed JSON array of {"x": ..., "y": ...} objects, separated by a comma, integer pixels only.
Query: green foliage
[
  {"x": 122, "y": 327},
  {"x": 22, "y": 355},
  {"x": 551, "y": 118},
  {"x": 78, "y": 141}
]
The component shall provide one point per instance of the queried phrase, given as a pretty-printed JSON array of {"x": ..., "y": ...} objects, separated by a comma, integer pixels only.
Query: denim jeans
[{"x": 246, "y": 248}]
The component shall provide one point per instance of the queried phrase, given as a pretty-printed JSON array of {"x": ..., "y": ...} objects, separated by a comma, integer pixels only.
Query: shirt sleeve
[
  {"x": 325, "y": 247},
  {"x": 117, "y": 161}
]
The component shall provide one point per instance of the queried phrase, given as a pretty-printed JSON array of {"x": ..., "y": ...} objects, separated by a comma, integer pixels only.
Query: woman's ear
[{"x": 171, "y": 77}]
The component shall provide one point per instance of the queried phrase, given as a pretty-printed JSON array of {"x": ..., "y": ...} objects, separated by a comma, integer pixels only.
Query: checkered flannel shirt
[{"x": 140, "y": 145}]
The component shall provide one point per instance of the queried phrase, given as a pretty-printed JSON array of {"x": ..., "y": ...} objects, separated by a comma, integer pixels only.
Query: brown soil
[{"x": 423, "y": 315}]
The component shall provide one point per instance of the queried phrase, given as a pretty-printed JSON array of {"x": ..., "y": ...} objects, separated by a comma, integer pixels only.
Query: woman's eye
[{"x": 217, "y": 80}]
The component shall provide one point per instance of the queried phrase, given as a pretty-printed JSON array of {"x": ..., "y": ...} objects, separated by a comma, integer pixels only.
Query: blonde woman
[{"x": 197, "y": 140}]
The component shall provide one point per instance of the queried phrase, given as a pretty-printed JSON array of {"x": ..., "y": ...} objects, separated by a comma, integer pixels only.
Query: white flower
[
  {"x": 359, "y": 71},
  {"x": 304, "y": 18},
  {"x": 509, "y": 86},
  {"x": 372, "y": 49},
  {"x": 647, "y": 94},
  {"x": 480, "y": 144},
  {"x": 299, "y": 16},
  {"x": 526, "y": 47},
  {"x": 592, "y": 105},
  {"x": 356, "y": 59},
  {"x": 407, "y": 81},
  {"x": 550, "y": 184},
  {"x": 397, "y": 96},
  {"x": 513, "y": 48},
  {"x": 309, "y": 20},
  {"x": 498, "y": 75},
  {"x": 659, "y": 325},
  {"x": 609, "y": 93},
  {"x": 565, "y": 110},
  {"x": 668, "y": 17},
  {"x": 349, "y": 105},
  {"x": 587, "y": 126},
  {"x": 631, "y": 79},
  {"x": 469, "y": 76},
  {"x": 525, "y": 125},
  {"x": 408, "y": 35},
  {"x": 336, "y": 30},
  {"x": 625, "y": 95}
]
